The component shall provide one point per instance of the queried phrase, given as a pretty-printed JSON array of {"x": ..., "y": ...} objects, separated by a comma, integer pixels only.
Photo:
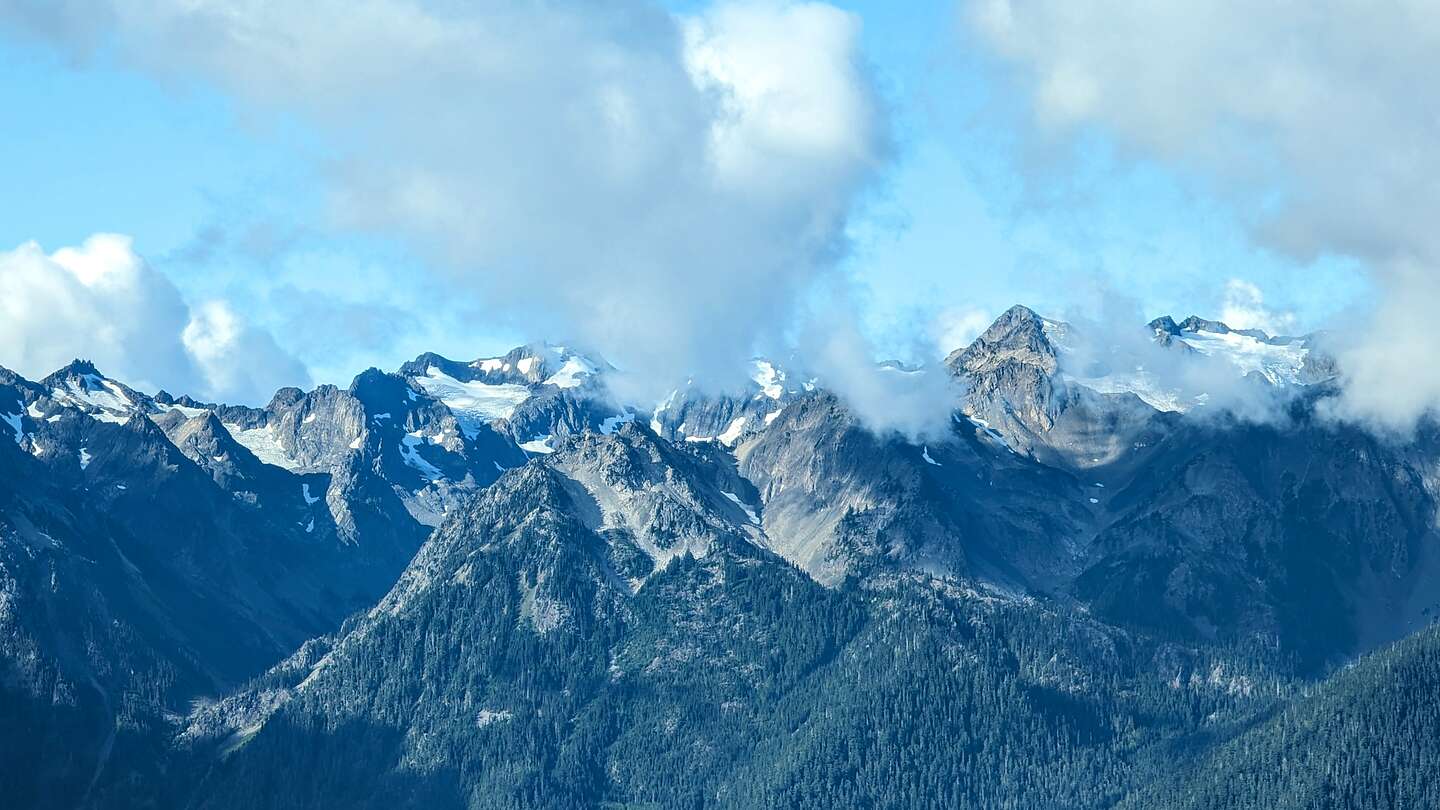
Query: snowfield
[{"x": 475, "y": 404}]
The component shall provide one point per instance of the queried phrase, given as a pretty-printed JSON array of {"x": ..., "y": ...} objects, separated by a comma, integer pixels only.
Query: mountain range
[{"x": 1142, "y": 567}]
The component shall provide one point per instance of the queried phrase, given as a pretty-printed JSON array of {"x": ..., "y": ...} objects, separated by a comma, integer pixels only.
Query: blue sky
[
  {"x": 224, "y": 204},
  {"x": 976, "y": 208}
]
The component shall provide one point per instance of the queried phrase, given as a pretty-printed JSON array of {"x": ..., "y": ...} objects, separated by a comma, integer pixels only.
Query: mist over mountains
[{"x": 1123, "y": 563}]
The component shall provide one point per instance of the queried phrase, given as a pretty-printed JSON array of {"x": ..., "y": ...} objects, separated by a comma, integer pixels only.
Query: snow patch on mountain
[
  {"x": 1278, "y": 362},
  {"x": 1143, "y": 384},
  {"x": 474, "y": 404},
  {"x": 733, "y": 432},
  {"x": 1184, "y": 365},
  {"x": 13, "y": 420},
  {"x": 750, "y": 513},
  {"x": 487, "y": 717},
  {"x": 770, "y": 379},
  {"x": 656, "y": 425},
  {"x": 187, "y": 411},
  {"x": 408, "y": 444},
  {"x": 572, "y": 373},
  {"x": 95, "y": 395},
  {"x": 262, "y": 442}
]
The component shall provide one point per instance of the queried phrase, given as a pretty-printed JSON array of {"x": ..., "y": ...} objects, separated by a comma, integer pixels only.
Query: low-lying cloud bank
[
  {"x": 102, "y": 302},
  {"x": 913, "y": 402},
  {"x": 1310, "y": 115},
  {"x": 1114, "y": 349}
]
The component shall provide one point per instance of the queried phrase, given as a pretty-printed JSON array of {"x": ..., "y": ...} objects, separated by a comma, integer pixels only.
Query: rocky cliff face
[
  {"x": 839, "y": 501},
  {"x": 1311, "y": 536},
  {"x": 1011, "y": 374},
  {"x": 695, "y": 414}
]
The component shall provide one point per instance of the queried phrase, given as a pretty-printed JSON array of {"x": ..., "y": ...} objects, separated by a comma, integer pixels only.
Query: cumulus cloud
[
  {"x": 1312, "y": 115},
  {"x": 102, "y": 302},
  {"x": 234, "y": 358},
  {"x": 663, "y": 188},
  {"x": 97, "y": 300}
]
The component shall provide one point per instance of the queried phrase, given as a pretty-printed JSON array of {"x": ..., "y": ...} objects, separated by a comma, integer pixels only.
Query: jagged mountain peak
[
  {"x": 204, "y": 423},
  {"x": 1279, "y": 361},
  {"x": 630, "y": 555},
  {"x": 1195, "y": 323},
  {"x": 543, "y": 363},
  {"x": 1017, "y": 314},
  {"x": 1011, "y": 373},
  {"x": 1019, "y": 335},
  {"x": 374, "y": 387},
  {"x": 205, "y": 440},
  {"x": 1093, "y": 357},
  {"x": 287, "y": 396},
  {"x": 1164, "y": 325},
  {"x": 533, "y": 364},
  {"x": 81, "y": 386},
  {"x": 76, "y": 368},
  {"x": 163, "y": 397},
  {"x": 424, "y": 362}
]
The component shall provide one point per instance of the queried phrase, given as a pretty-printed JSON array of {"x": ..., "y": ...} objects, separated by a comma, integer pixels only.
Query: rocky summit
[{"x": 1141, "y": 567}]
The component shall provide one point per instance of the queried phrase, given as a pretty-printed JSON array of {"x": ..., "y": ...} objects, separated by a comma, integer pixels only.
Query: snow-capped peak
[
  {"x": 538, "y": 364},
  {"x": 483, "y": 391},
  {"x": 81, "y": 386},
  {"x": 1162, "y": 374}
]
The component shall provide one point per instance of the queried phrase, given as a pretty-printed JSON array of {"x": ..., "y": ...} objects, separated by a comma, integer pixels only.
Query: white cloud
[
  {"x": 957, "y": 327},
  {"x": 1314, "y": 116},
  {"x": 662, "y": 188},
  {"x": 1391, "y": 374},
  {"x": 235, "y": 358},
  {"x": 1110, "y": 342},
  {"x": 790, "y": 91},
  {"x": 914, "y": 403},
  {"x": 1244, "y": 308},
  {"x": 102, "y": 302},
  {"x": 97, "y": 301}
]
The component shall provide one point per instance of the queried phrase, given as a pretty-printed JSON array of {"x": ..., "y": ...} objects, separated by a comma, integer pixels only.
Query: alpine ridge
[{"x": 1138, "y": 553}]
